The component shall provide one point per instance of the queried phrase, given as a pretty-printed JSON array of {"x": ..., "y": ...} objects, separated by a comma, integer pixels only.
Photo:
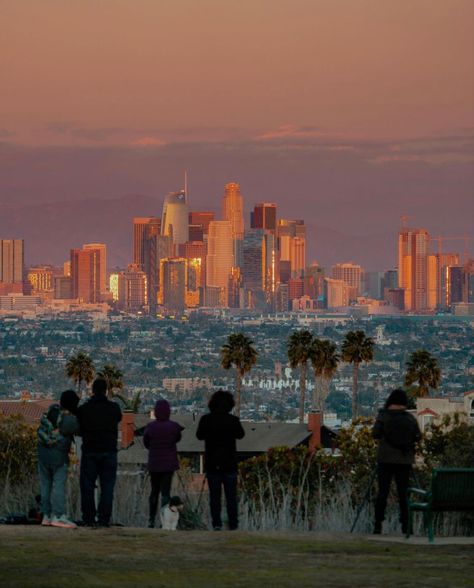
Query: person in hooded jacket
[
  {"x": 219, "y": 430},
  {"x": 160, "y": 438},
  {"x": 55, "y": 435},
  {"x": 397, "y": 432}
]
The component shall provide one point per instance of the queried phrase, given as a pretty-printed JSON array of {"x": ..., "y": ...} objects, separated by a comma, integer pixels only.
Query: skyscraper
[
  {"x": 292, "y": 244},
  {"x": 11, "y": 265},
  {"x": 413, "y": 267},
  {"x": 156, "y": 247},
  {"x": 85, "y": 275},
  {"x": 233, "y": 211},
  {"x": 253, "y": 260},
  {"x": 135, "y": 283},
  {"x": 175, "y": 217},
  {"x": 102, "y": 248},
  {"x": 350, "y": 273},
  {"x": 201, "y": 219},
  {"x": 41, "y": 278},
  {"x": 220, "y": 255},
  {"x": 174, "y": 281},
  {"x": 264, "y": 216},
  {"x": 139, "y": 228}
]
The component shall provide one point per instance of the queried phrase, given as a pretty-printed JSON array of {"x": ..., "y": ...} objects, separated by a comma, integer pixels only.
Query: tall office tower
[
  {"x": 373, "y": 284},
  {"x": 196, "y": 250},
  {"x": 468, "y": 281},
  {"x": 175, "y": 217},
  {"x": 264, "y": 216},
  {"x": 201, "y": 219},
  {"x": 292, "y": 244},
  {"x": 220, "y": 255},
  {"x": 173, "y": 276},
  {"x": 350, "y": 273},
  {"x": 102, "y": 248},
  {"x": 139, "y": 229},
  {"x": 195, "y": 282},
  {"x": 413, "y": 267},
  {"x": 438, "y": 279},
  {"x": 85, "y": 275},
  {"x": 11, "y": 266},
  {"x": 156, "y": 247},
  {"x": 454, "y": 284},
  {"x": 234, "y": 288},
  {"x": 253, "y": 268},
  {"x": 337, "y": 293},
  {"x": 41, "y": 278},
  {"x": 233, "y": 211},
  {"x": 135, "y": 286},
  {"x": 314, "y": 281},
  {"x": 62, "y": 287},
  {"x": 271, "y": 266},
  {"x": 116, "y": 283}
]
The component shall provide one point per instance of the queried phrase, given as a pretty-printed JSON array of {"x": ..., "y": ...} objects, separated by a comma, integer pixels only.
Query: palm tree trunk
[
  {"x": 238, "y": 385},
  {"x": 316, "y": 394},
  {"x": 355, "y": 390},
  {"x": 302, "y": 391}
]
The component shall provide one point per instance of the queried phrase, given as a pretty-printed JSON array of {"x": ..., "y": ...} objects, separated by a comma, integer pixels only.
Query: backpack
[
  {"x": 48, "y": 431},
  {"x": 399, "y": 432}
]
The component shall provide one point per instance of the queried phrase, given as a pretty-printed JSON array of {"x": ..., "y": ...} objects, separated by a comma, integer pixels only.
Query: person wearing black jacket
[
  {"x": 397, "y": 432},
  {"x": 219, "y": 430},
  {"x": 98, "y": 421}
]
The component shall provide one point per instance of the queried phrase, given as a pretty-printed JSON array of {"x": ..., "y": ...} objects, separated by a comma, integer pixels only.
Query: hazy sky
[
  {"x": 347, "y": 113},
  {"x": 130, "y": 70}
]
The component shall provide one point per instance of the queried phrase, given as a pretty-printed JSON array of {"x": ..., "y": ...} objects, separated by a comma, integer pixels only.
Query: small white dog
[{"x": 170, "y": 514}]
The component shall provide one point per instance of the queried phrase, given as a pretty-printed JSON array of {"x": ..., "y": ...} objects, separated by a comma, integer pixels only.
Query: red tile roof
[{"x": 30, "y": 410}]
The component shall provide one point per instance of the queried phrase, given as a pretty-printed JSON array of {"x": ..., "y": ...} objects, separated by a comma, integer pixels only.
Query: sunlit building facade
[
  {"x": 350, "y": 273},
  {"x": 175, "y": 217},
  {"x": 413, "y": 249},
  {"x": 85, "y": 275},
  {"x": 102, "y": 248},
  {"x": 233, "y": 211},
  {"x": 220, "y": 255},
  {"x": 12, "y": 255}
]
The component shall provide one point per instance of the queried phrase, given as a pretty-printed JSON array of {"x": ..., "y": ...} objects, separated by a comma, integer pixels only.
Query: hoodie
[{"x": 160, "y": 438}]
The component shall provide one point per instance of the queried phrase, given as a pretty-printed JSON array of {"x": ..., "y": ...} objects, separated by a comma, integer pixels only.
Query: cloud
[
  {"x": 290, "y": 131},
  {"x": 148, "y": 142}
]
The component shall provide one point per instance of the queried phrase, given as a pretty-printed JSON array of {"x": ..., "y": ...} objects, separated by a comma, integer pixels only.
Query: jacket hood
[{"x": 162, "y": 410}]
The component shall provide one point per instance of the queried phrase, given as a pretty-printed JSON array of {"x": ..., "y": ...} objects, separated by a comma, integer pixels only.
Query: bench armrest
[{"x": 417, "y": 491}]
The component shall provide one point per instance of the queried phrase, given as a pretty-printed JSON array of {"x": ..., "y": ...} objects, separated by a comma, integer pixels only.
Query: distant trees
[
  {"x": 422, "y": 368},
  {"x": 325, "y": 360},
  {"x": 356, "y": 348},
  {"x": 239, "y": 353},
  {"x": 80, "y": 368},
  {"x": 114, "y": 378},
  {"x": 299, "y": 353}
]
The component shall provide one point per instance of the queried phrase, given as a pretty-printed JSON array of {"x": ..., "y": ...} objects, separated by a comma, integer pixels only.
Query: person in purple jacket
[{"x": 160, "y": 439}]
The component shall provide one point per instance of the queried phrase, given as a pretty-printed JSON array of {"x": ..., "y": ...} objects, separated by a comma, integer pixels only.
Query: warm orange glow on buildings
[
  {"x": 413, "y": 267},
  {"x": 220, "y": 255}
]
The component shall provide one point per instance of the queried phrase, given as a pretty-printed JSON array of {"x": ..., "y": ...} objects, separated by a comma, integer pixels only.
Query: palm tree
[
  {"x": 299, "y": 352},
  {"x": 423, "y": 369},
  {"x": 130, "y": 404},
  {"x": 240, "y": 353},
  {"x": 80, "y": 368},
  {"x": 356, "y": 348},
  {"x": 114, "y": 378},
  {"x": 324, "y": 359}
]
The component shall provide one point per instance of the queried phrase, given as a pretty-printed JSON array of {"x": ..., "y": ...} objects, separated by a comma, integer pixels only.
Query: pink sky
[{"x": 145, "y": 72}]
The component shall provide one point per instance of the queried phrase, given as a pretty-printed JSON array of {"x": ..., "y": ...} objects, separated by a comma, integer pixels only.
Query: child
[{"x": 55, "y": 435}]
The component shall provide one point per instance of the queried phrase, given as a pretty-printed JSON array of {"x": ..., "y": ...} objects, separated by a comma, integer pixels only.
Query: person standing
[
  {"x": 98, "y": 419},
  {"x": 397, "y": 432},
  {"x": 55, "y": 435},
  {"x": 160, "y": 438},
  {"x": 219, "y": 430}
]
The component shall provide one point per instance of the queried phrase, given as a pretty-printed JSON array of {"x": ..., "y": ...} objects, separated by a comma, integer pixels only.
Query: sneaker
[
  {"x": 46, "y": 522},
  {"x": 63, "y": 522}
]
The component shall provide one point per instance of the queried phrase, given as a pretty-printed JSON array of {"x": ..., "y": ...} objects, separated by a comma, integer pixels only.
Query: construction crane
[{"x": 464, "y": 238}]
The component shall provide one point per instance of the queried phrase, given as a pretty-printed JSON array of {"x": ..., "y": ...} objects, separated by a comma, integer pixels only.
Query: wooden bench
[{"x": 451, "y": 489}]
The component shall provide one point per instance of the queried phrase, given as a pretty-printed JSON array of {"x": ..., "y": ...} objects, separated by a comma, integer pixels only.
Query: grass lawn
[{"x": 47, "y": 557}]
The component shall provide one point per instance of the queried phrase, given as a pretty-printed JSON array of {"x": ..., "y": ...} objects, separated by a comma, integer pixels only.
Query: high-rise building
[
  {"x": 337, "y": 293},
  {"x": 314, "y": 281},
  {"x": 11, "y": 266},
  {"x": 41, "y": 278},
  {"x": 439, "y": 282},
  {"x": 102, "y": 248},
  {"x": 264, "y": 216},
  {"x": 253, "y": 268},
  {"x": 139, "y": 231},
  {"x": 156, "y": 248},
  {"x": 62, "y": 287},
  {"x": 350, "y": 273},
  {"x": 413, "y": 267},
  {"x": 201, "y": 219},
  {"x": 85, "y": 275},
  {"x": 174, "y": 282},
  {"x": 195, "y": 283},
  {"x": 233, "y": 211},
  {"x": 220, "y": 255},
  {"x": 135, "y": 285},
  {"x": 196, "y": 250},
  {"x": 292, "y": 245},
  {"x": 468, "y": 281},
  {"x": 175, "y": 217}
]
